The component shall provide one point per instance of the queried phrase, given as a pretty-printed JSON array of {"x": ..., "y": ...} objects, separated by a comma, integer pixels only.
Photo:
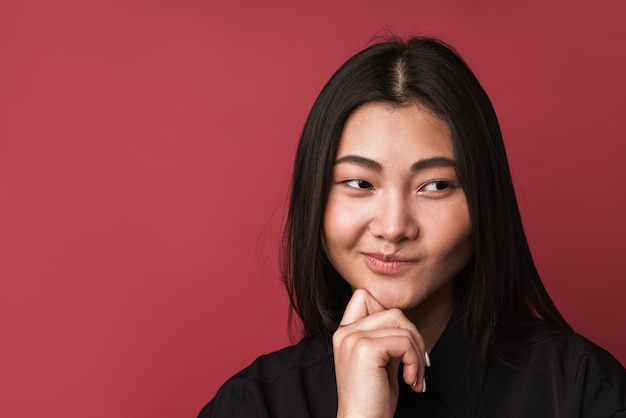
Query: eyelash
[
  {"x": 437, "y": 183},
  {"x": 357, "y": 183}
]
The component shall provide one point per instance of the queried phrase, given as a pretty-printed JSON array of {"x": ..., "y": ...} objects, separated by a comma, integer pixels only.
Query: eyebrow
[
  {"x": 433, "y": 162},
  {"x": 417, "y": 166}
]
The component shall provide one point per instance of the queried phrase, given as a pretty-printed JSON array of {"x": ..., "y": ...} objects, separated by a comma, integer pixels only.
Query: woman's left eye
[{"x": 435, "y": 186}]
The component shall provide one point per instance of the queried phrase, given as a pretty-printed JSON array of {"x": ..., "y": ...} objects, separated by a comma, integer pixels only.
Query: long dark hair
[{"x": 501, "y": 284}]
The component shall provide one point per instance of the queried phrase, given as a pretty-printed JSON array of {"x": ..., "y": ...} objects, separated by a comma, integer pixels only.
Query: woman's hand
[{"x": 369, "y": 346}]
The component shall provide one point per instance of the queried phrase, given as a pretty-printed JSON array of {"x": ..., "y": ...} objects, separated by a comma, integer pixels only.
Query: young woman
[{"x": 407, "y": 264}]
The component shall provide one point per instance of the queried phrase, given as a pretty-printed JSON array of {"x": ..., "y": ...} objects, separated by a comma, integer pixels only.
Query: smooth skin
[{"x": 397, "y": 228}]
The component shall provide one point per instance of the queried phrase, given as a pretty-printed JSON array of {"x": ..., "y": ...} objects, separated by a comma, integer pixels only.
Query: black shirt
[{"x": 550, "y": 374}]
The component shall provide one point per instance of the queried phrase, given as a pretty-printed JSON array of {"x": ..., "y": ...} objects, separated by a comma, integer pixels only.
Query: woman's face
[{"x": 397, "y": 222}]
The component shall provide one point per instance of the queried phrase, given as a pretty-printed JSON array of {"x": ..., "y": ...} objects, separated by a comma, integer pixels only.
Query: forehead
[{"x": 382, "y": 130}]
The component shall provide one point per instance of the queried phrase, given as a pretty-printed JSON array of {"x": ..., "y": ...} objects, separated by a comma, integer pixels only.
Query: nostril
[{"x": 394, "y": 228}]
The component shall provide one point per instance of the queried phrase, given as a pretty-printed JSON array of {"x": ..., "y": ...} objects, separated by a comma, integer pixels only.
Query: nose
[{"x": 395, "y": 218}]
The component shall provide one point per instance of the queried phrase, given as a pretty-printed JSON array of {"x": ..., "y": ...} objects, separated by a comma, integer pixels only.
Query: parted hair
[{"x": 500, "y": 287}]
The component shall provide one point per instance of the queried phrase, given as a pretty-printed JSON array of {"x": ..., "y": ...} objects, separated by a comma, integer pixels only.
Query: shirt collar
[{"x": 454, "y": 375}]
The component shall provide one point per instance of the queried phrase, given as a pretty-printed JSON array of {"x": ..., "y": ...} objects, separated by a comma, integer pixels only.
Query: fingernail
[
  {"x": 414, "y": 382},
  {"x": 427, "y": 359},
  {"x": 423, "y": 385}
]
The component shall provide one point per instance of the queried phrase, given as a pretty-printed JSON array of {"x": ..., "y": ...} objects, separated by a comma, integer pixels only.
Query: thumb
[{"x": 361, "y": 305}]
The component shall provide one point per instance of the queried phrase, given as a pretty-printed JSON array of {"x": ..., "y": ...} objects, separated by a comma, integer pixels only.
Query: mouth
[{"x": 389, "y": 264}]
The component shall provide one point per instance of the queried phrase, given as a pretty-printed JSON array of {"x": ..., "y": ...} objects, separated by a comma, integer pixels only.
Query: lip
[{"x": 388, "y": 263}]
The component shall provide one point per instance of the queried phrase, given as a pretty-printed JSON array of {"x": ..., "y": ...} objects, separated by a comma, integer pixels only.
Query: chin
[{"x": 394, "y": 301}]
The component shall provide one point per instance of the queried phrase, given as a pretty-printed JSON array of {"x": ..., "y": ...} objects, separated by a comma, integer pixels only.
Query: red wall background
[{"x": 145, "y": 150}]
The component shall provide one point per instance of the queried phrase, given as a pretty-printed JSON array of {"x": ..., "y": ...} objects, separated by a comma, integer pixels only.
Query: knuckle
[
  {"x": 396, "y": 312},
  {"x": 363, "y": 349},
  {"x": 340, "y": 336},
  {"x": 351, "y": 340},
  {"x": 398, "y": 317},
  {"x": 359, "y": 294}
]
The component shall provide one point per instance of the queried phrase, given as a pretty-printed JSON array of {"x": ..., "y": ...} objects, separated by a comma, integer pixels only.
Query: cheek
[
  {"x": 457, "y": 242},
  {"x": 447, "y": 230},
  {"x": 343, "y": 225},
  {"x": 336, "y": 223}
]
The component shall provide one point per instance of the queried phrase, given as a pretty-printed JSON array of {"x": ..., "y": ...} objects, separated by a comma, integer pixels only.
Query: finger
[
  {"x": 380, "y": 347},
  {"x": 384, "y": 350},
  {"x": 413, "y": 357},
  {"x": 361, "y": 305},
  {"x": 396, "y": 333},
  {"x": 392, "y": 318},
  {"x": 365, "y": 313},
  {"x": 413, "y": 373}
]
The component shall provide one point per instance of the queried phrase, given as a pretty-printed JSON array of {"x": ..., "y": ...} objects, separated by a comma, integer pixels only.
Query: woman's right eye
[{"x": 358, "y": 184}]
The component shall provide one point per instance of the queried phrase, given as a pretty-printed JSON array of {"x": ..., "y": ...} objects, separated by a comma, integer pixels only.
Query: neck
[{"x": 432, "y": 315}]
